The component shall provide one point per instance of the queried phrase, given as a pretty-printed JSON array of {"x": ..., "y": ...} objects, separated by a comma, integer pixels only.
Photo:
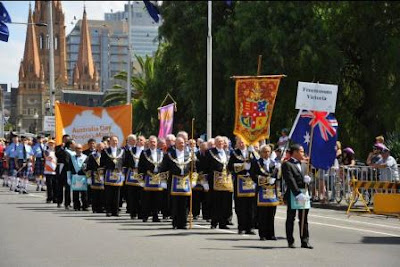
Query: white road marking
[
  {"x": 347, "y": 228},
  {"x": 350, "y": 221}
]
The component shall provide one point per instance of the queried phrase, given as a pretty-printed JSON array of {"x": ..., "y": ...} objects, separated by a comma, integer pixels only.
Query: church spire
[
  {"x": 85, "y": 71},
  {"x": 31, "y": 60}
]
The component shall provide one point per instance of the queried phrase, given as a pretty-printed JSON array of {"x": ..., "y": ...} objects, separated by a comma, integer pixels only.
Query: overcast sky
[{"x": 11, "y": 53}]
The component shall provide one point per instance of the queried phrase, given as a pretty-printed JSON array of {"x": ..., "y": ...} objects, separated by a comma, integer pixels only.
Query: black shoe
[
  {"x": 182, "y": 228},
  {"x": 85, "y": 209},
  {"x": 195, "y": 217},
  {"x": 108, "y": 214},
  {"x": 156, "y": 220},
  {"x": 58, "y": 205},
  {"x": 213, "y": 226},
  {"x": 133, "y": 217},
  {"x": 240, "y": 232},
  {"x": 67, "y": 207},
  {"x": 48, "y": 201},
  {"x": 43, "y": 190},
  {"x": 272, "y": 238},
  {"x": 224, "y": 227},
  {"x": 230, "y": 223},
  {"x": 115, "y": 215},
  {"x": 291, "y": 245},
  {"x": 306, "y": 245},
  {"x": 263, "y": 238},
  {"x": 250, "y": 232},
  {"x": 144, "y": 219},
  {"x": 37, "y": 188}
]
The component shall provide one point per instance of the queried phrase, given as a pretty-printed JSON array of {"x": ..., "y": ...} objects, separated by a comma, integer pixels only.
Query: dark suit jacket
[
  {"x": 201, "y": 162},
  {"x": 293, "y": 178},
  {"x": 129, "y": 161},
  {"x": 256, "y": 171},
  {"x": 144, "y": 164},
  {"x": 213, "y": 165},
  {"x": 107, "y": 163},
  {"x": 87, "y": 152},
  {"x": 172, "y": 167},
  {"x": 91, "y": 163}
]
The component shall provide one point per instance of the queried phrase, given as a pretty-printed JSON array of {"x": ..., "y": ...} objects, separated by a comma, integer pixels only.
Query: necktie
[{"x": 24, "y": 151}]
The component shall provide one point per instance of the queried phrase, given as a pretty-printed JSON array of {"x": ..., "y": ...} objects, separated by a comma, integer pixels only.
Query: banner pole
[
  {"x": 259, "y": 65},
  {"x": 191, "y": 178},
  {"x": 308, "y": 171}
]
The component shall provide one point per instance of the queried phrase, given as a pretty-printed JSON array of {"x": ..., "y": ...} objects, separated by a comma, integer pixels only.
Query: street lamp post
[{"x": 36, "y": 117}]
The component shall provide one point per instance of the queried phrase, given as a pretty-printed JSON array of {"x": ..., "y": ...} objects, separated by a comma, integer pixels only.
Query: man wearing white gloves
[{"x": 296, "y": 184}]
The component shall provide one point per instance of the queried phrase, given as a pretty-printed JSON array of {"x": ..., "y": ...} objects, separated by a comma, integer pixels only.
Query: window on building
[
  {"x": 56, "y": 42},
  {"x": 41, "y": 41}
]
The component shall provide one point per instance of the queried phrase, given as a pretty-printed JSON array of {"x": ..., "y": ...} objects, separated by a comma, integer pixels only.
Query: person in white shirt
[{"x": 388, "y": 166}]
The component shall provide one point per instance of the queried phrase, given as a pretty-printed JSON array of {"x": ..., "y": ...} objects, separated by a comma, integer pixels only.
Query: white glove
[
  {"x": 307, "y": 179},
  {"x": 69, "y": 181},
  {"x": 89, "y": 181},
  {"x": 250, "y": 149},
  {"x": 272, "y": 181},
  {"x": 278, "y": 165},
  {"x": 301, "y": 198},
  {"x": 155, "y": 170},
  {"x": 247, "y": 166}
]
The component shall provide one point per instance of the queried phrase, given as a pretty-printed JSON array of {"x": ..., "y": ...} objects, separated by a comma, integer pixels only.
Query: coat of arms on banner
[{"x": 255, "y": 98}]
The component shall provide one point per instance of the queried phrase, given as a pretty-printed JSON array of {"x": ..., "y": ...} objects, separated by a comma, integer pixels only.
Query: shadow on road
[
  {"x": 255, "y": 238},
  {"x": 187, "y": 233},
  {"x": 387, "y": 240},
  {"x": 257, "y": 247}
]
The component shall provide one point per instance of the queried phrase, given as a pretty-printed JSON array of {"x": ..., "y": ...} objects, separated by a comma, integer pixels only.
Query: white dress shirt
[
  {"x": 114, "y": 151},
  {"x": 222, "y": 155},
  {"x": 154, "y": 154}
]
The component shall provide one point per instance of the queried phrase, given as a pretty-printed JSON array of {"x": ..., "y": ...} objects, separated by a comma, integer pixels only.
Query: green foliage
[
  {"x": 393, "y": 143},
  {"x": 352, "y": 44}
]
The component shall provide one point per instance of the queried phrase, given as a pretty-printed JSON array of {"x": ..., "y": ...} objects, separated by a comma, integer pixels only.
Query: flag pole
[
  {"x": 308, "y": 172},
  {"x": 128, "y": 72},
  {"x": 209, "y": 73},
  {"x": 191, "y": 178}
]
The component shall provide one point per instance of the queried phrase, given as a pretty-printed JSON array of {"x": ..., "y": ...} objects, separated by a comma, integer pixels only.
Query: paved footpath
[{"x": 33, "y": 233}]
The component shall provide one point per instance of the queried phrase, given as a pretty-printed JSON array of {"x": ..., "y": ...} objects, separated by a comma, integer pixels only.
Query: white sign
[
  {"x": 316, "y": 96},
  {"x": 49, "y": 124}
]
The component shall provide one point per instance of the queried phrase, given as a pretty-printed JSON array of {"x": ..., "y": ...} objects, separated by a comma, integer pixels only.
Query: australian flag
[
  {"x": 324, "y": 138},
  {"x": 4, "y": 18},
  {"x": 152, "y": 8}
]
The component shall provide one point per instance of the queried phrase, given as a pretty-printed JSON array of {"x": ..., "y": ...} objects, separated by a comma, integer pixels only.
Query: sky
[{"x": 11, "y": 52}]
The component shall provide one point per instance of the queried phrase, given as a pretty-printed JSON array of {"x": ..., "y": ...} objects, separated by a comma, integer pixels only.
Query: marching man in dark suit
[
  {"x": 96, "y": 176},
  {"x": 296, "y": 194},
  {"x": 221, "y": 185},
  {"x": 178, "y": 162},
  {"x": 264, "y": 174},
  {"x": 244, "y": 187},
  {"x": 112, "y": 160},
  {"x": 154, "y": 181}
]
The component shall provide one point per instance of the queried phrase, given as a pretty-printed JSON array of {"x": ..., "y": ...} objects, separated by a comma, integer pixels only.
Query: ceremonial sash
[
  {"x": 223, "y": 181},
  {"x": 180, "y": 185},
  {"x": 97, "y": 179},
  {"x": 245, "y": 186},
  {"x": 295, "y": 205},
  {"x": 114, "y": 177},
  {"x": 155, "y": 182},
  {"x": 133, "y": 178}
]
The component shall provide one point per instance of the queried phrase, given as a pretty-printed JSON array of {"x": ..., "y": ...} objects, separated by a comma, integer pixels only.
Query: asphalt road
[{"x": 33, "y": 233}]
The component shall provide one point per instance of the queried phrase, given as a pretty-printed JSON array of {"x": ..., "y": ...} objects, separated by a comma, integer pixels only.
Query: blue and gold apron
[
  {"x": 155, "y": 182},
  {"x": 245, "y": 186},
  {"x": 134, "y": 178},
  {"x": 266, "y": 193},
  {"x": 223, "y": 181},
  {"x": 97, "y": 179},
  {"x": 114, "y": 177},
  {"x": 180, "y": 185}
]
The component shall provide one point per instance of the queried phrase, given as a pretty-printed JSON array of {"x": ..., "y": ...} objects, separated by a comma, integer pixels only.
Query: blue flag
[
  {"x": 152, "y": 8},
  {"x": 4, "y": 18},
  {"x": 324, "y": 139}
]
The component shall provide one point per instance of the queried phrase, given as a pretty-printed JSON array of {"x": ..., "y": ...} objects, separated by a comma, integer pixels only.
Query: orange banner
[
  {"x": 83, "y": 123},
  {"x": 254, "y": 102}
]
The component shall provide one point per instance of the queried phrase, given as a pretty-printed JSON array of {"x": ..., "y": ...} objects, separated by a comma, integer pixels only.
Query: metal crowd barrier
[{"x": 335, "y": 185}]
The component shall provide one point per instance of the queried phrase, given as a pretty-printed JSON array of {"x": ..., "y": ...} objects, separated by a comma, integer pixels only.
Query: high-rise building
[
  {"x": 109, "y": 46},
  {"x": 144, "y": 31}
]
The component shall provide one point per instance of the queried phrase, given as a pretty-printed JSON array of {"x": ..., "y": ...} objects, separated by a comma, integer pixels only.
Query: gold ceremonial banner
[
  {"x": 254, "y": 102},
  {"x": 83, "y": 123}
]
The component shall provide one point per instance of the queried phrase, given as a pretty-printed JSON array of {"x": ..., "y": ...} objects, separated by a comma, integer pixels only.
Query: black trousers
[
  {"x": 166, "y": 203},
  {"x": 266, "y": 221},
  {"x": 89, "y": 195},
  {"x": 290, "y": 218},
  {"x": 112, "y": 196},
  {"x": 221, "y": 208},
  {"x": 133, "y": 200},
  {"x": 51, "y": 188},
  {"x": 198, "y": 198},
  {"x": 62, "y": 185},
  {"x": 151, "y": 203},
  {"x": 179, "y": 210},
  {"x": 81, "y": 203},
  {"x": 244, "y": 208},
  {"x": 98, "y": 200}
]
